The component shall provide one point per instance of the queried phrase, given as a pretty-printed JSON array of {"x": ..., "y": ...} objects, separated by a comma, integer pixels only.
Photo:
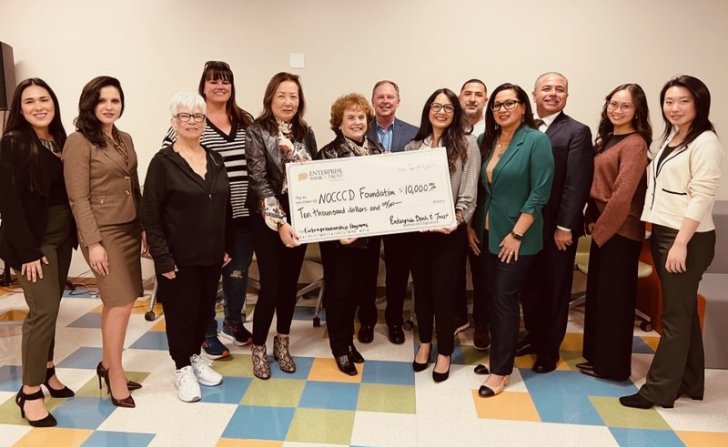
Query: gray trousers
[
  {"x": 44, "y": 296},
  {"x": 679, "y": 365}
]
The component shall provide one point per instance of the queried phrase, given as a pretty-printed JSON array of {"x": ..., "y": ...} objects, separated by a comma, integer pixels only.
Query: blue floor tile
[
  {"x": 563, "y": 396},
  {"x": 152, "y": 340},
  {"x": 11, "y": 378},
  {"x": 329, "y": 395},
  {"x": 90, "y": 320},
  {"x": 392, "y": 373},
  {"x": 230, "y": 391},
  {"x": 118, "y": 439},
  {"x": 83, "y": 357},
  {"x": 640, "y": 347},
  {"x": 83, "y": 412},
  {"x": 627, "y": 437},
  {"x": 303, "y": 367},
  {"x": 251, "y": 422}
]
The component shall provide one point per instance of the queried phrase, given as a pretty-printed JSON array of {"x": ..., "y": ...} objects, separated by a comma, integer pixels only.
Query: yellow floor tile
[
  {"x": 14, "y": 315},
  {"x": 652, "y": 342},
  {"x": 57, "y": 437},
  {"x": 326, "y": 370},
  {"x": 514, "y": 406},
  {"x": 702, "y": 439},
  {"x": 572, "y": 342},
  {"x": 160, "y": 325}
]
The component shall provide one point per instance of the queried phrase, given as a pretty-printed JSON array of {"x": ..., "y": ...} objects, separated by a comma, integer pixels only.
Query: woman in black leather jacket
[{"x": 278, "y": 136}]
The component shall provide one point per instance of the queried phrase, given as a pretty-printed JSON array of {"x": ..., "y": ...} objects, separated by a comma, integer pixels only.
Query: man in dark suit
[
  {"x": 393, "y": 134},
  {"x": 548, "y": 289}
]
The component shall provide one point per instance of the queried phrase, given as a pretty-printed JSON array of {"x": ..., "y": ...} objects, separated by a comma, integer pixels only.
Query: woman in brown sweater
[{"x": 613, "y": 220}]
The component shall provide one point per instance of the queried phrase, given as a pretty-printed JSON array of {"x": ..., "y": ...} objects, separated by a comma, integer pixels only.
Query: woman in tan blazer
[{"x": 100, "y": 168}]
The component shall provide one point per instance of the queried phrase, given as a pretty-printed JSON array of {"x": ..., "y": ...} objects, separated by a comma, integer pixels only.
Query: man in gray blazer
[{"x": 393, "y": 134}]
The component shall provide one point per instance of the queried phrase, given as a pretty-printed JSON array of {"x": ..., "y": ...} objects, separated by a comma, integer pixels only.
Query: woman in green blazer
[{"x": 515, "y": 183}]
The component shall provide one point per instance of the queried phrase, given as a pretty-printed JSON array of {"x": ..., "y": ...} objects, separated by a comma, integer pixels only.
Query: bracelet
[{"x": 516, "y": 236}]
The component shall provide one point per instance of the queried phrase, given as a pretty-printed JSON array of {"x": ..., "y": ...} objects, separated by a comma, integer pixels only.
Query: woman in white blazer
[{"x": 682, "y": 179}]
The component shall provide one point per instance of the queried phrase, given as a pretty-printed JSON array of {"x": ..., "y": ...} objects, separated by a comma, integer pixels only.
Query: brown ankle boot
[
  {"x": 261, "y": 369},
  {"x": 280, "y": 353}
]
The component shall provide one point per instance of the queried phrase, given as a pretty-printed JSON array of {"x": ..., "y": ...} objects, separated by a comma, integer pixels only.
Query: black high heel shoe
[
  {"x": 63, "y": 392},
  {"x": 441, "y": 377},
  {"x": 127, "y": 402},
  {"x": 101, "y": 372},
  {"x": 421, "y": 366},
  {"x": 21, "y": 397}
]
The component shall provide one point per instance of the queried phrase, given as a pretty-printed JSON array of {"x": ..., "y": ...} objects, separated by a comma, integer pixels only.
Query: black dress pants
[
  {"x": 397, "y": 263},
  {"x": 546, "y": 298},
  {"x": 504, "y": 284},
  {"x": 434, "y": 269},
  {"x": 347, "y": 272}
]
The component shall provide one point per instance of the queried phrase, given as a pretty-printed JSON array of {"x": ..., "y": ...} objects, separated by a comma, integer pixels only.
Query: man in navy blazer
[
  {"x": 393, "y": 134},
  {"x": 548, "y": 289}
]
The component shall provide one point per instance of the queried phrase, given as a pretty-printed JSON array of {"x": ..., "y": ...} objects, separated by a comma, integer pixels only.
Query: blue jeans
[{"x": 235, "y": 278}]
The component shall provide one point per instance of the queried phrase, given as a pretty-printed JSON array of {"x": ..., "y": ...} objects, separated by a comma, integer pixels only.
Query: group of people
[{"x": 217, "y": 191}]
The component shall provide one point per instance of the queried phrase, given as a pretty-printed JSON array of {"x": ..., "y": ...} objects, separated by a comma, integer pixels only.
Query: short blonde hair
[
  {"x": 186, "y": 100},
  {"x": 350, "y": 101}
]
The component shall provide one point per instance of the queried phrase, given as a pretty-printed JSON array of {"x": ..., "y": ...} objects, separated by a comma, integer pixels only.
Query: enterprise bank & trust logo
[{"x": 321, "y": 174}]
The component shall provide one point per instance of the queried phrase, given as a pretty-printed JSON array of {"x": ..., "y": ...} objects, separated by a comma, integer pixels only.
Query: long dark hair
[
  {"x": 640, "y": 121},
  {"x": 492, "y": 129},
  {"x": 268, "y": 121},
  {"x": 86, "y": 121},
  {"x": 454, "y": 136},
  {"x": 701, "y": 97},
  {"x": 26, "y": 155},
  {"x": 215, "y": 70}
]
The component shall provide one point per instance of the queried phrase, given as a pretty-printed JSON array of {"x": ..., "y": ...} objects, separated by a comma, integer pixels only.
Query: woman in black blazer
[
  {"x": 278, "y": 136},
  {"x": 37, "y": 234}
]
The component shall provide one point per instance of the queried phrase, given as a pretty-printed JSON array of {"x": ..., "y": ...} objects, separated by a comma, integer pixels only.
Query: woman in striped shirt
[{"x": 225, "y": 134}]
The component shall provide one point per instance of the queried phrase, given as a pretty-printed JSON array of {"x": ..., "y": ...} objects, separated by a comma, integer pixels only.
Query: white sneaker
[
  {"x": 204, "y": 373},
  {"x": 188, "y": 390}
]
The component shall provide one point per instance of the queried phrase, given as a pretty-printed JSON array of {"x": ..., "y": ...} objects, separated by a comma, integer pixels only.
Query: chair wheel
[
  {"x": 408, "y": 325},
  {"x": 316, "y": 322},
  {"x": 646, "y": 326},
  {"x": 149, "y": 315}
]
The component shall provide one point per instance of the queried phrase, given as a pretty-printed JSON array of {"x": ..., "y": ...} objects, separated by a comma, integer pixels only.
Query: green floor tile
[
  {"x": 386, "y": 398},
  {"x": 239, "y": 365},
  {"x": 615, "y": 415},
  {"x": 321, "y": 426},
  {"x": 472, "y": 356},
  {"x": 274, "y": 393}
]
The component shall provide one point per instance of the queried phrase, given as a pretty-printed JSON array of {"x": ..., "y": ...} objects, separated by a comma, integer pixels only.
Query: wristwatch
[{"x": 516, "y": 236}]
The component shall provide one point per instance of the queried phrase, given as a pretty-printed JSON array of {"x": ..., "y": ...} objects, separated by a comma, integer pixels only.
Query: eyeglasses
[
  {"x": 186, "y": 117},
  {"x": 436, "y": 107},
  {"x": 217, "y": 64},
  {"x": 614, "y": 105},
  {"x": 507, "y": 105}
]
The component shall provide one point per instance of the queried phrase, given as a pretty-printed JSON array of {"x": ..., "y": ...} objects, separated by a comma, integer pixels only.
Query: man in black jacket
[{"x": 548, "y": 289}]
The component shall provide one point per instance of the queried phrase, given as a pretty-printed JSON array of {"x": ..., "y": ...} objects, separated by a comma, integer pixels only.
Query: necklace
[
  {"x": 501, "y": 144},
  {"x": 118, "y": 146}
]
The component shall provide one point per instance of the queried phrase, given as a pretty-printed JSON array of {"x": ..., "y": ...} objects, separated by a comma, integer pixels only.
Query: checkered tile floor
[{"x": 387, "y": 404}]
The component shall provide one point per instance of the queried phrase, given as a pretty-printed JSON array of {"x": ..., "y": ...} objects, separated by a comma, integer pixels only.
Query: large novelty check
[{"x": 372, "y": 195}]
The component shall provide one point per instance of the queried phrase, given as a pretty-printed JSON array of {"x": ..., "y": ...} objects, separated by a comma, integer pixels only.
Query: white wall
[{"x": 158, "y": 47}]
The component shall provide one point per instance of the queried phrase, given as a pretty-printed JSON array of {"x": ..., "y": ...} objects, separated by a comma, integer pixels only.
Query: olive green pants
[
  {"x": 679, "y": 366},
  {"x": 44, "y": 296}
]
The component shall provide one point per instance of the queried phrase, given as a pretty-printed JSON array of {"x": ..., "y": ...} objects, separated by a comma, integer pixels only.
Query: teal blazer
[{"x": 521, "y": 184}]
